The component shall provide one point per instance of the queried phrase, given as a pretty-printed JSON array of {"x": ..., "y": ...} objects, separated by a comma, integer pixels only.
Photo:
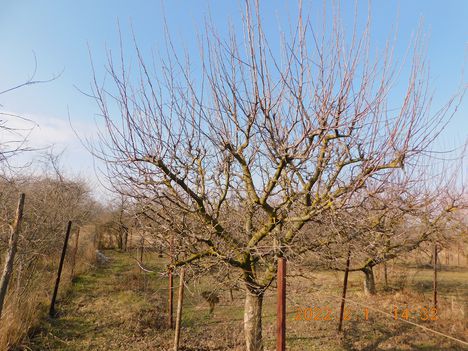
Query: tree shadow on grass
[
  {"x": 57, "y": 333},
  {"x": 354, "y": 335},
  {"x": 408, "y": 339}
]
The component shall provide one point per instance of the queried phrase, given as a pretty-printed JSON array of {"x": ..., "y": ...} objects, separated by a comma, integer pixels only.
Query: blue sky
[{"x": 59, "y": 34}]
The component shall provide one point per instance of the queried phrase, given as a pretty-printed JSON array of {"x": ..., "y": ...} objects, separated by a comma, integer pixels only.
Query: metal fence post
[{"x": 52, "y": 311}]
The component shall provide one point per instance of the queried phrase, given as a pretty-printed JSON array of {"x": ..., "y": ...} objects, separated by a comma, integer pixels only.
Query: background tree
[
  {"x": 114, "y": 226},
  {"x": 386, "y": 226}
]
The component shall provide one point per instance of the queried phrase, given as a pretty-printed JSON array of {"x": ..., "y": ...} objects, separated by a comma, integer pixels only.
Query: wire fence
[{"x": 194, "y": 302}]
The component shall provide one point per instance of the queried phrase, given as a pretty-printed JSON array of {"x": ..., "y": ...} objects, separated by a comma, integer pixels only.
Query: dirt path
[{"x": 110, "y": 308}]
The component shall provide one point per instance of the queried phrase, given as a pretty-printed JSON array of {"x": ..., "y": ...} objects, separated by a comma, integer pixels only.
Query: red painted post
[
  {"x": 281, "y": 306},
  {"x": 345, "y": 287},
  {"x": 52, "y": 311}
]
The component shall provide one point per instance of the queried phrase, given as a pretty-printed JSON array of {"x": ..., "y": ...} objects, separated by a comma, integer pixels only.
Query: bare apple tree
[
  {"x": 239, "y": 149},
  {"x": 387, "y": 225}
]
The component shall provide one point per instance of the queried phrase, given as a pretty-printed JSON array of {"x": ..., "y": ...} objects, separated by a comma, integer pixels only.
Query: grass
[
  {"x": 29, "y": 293},
  {"x": 102, "y": 304},
  {"x": 116, "y": 306}
]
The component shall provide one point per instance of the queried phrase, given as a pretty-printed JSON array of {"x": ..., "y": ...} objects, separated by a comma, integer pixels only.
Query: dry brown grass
[
  {"x": 117, "y": 306},
  {"x": 28, "y": 301}
]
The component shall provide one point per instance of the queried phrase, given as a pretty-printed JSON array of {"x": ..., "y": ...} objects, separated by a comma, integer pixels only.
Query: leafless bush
[{"x": 50, "y": 203}]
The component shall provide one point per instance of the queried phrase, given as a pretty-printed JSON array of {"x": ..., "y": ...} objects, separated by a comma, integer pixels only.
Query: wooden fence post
[
  {"x": 281, "y": 306},
  {"x": 180, "y": 301},
  {"x": 52, "y": 311},
  {"x": 75, "y": 251},
  {"x": 171, "y": 291},
  {"x": 11, "y": 253},
  {"x": 171, "y": 297},
  {"x": 345, "y": 287},
  {"x": 142, "y": 248},
  {"x": 435, "y": 275}
]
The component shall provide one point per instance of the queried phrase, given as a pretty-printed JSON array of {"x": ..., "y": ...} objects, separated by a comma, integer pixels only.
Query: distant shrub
[{"x": 212, "y": 298}]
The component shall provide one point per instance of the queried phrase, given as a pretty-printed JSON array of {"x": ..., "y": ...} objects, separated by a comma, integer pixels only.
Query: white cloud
[{"x": 42, "y": 131}]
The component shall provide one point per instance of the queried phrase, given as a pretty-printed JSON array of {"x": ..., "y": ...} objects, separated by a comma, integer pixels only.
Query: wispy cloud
[{"x": 43, "y": 131}]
